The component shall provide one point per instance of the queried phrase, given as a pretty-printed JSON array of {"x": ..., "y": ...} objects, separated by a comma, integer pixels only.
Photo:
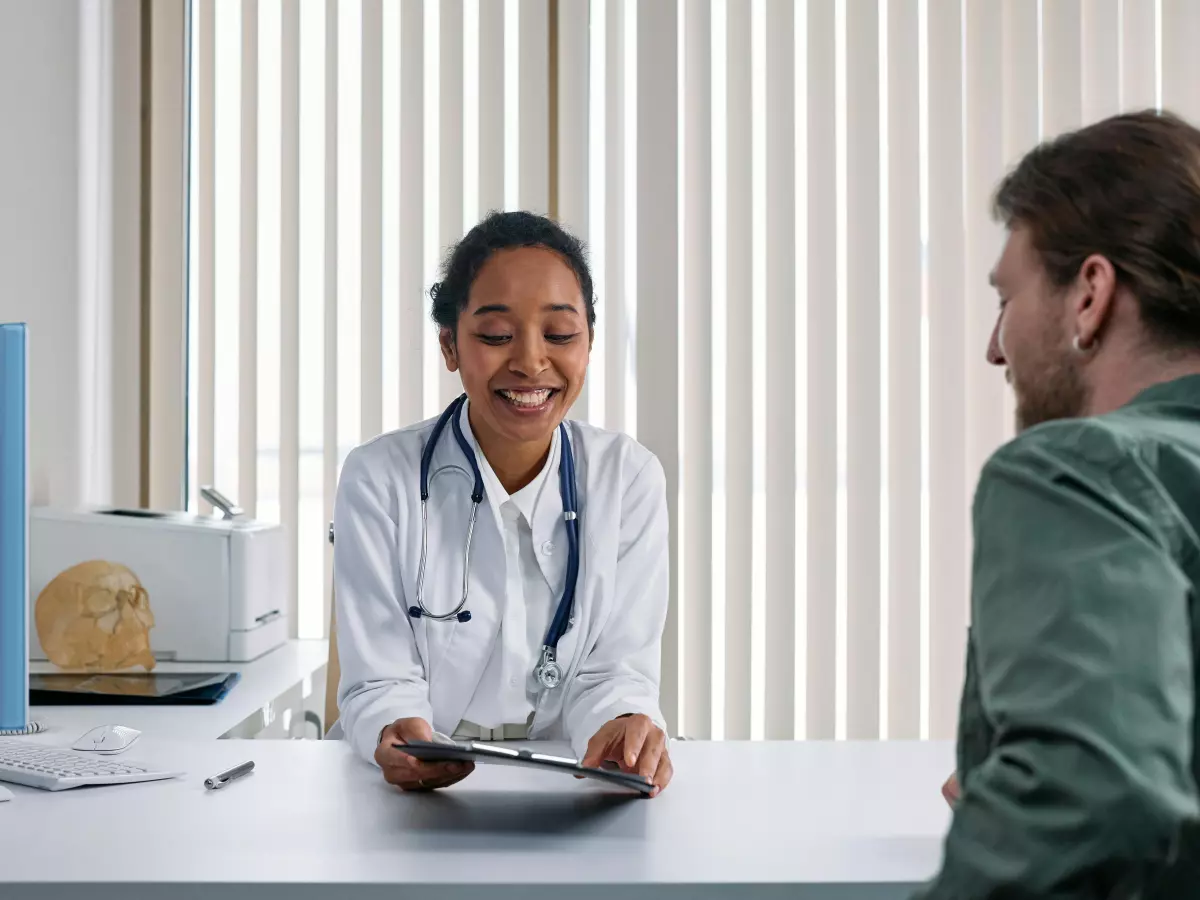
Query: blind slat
[
  {"x": 329, "y": 457},
  {"x": 904, "y": 401},
  {"x": 986, "y": 425},
  {"x": 371, "y": 234},
  {"x": 491, "y": 106},
  {"x": 863, "y": 371},
  {"x": 822, "y": 377},
  {"x": 450, "y": 152},
  {"x": 1101, "y": 42},
  {"x": 1181, "y": 61},
  {"x": 414, "y": 325},
  {"x": 247, "y": 490},
  {"x": 289, "y": 302},
  {"x": 658, "y": 285},
  {"x": 1021, "y": 126},
  {"x": 739, "y": 460},
  {"x": 612, "y": 308},
  {"x": 948, "y": 519},
  {"x": 164, "y": 193},
  {"x": 534, "y": 104},
  {"x": 571, "y": 115},
  {"x": 1139, "y": 57},
  {"x": 695, "y": 582},
  {"x": 781, "y": 498},
  {"x": 206, "y": 320},
  {"x": 1062, "y": 85},
  {"x": 1019, "y": 64}
]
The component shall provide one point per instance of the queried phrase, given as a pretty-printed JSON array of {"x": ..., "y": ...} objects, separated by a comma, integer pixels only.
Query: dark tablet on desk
[
  {"x": 488, "y": 754},
  {"x": 130, "y": 688}
]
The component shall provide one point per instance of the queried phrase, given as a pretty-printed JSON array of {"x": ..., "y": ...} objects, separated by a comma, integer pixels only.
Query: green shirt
[{"x": 1078, "y": 731}]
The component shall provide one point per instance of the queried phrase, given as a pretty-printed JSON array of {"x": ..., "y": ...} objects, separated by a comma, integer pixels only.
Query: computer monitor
[{"x": 14, "y": 530}]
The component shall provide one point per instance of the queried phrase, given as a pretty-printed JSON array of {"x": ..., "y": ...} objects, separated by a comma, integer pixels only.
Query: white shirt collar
[{"x": 526, "y": 499}]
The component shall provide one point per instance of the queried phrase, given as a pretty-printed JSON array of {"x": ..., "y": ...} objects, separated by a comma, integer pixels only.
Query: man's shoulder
[
  {"x": 1093, "y": 441},
  {"x": 1126, "y": 440}
]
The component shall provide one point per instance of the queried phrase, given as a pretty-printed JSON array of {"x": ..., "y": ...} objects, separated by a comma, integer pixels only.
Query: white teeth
[{"x": 526, "y": 398}]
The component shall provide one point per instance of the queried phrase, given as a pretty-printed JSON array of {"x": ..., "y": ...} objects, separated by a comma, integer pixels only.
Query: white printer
[{"x": 198, "y": 588}]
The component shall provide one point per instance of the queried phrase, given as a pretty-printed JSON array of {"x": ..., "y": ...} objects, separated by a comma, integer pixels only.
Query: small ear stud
[{"x": 1079, "y": 348}]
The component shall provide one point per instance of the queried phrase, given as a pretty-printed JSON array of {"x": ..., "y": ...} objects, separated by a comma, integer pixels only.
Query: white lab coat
[{"x": 394, "y": 666}]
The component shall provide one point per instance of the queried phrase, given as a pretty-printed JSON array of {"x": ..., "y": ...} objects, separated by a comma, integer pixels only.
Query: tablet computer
[
  {"x": 125, "y": 688},
  {"x": 485, "y": 753}
]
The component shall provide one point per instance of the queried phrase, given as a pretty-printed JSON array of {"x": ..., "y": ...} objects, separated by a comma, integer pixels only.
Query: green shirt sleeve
[{"x": 1083, "y": 652}]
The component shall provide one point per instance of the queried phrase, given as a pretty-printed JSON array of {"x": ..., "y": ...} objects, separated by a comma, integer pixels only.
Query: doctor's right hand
[{"x": 407, "y": 772}]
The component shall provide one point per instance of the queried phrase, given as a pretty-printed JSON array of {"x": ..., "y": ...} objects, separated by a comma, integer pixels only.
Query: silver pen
[{"x": 219, "y": 781}]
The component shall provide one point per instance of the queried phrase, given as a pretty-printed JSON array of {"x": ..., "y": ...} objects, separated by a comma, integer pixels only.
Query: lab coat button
[{"x": 548, "y": 547}]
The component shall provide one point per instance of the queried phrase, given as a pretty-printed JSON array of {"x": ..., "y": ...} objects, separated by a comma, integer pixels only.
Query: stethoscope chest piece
[{"x": 548, "y": 672}]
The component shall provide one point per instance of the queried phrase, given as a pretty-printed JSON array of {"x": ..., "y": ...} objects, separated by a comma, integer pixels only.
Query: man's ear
[
  {"x": 449, "y": 349},
  {"x": 1095, "y": 300}
]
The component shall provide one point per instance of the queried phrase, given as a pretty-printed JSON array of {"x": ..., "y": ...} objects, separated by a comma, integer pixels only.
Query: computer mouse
[
  {"x": 107, "y": 739},
  {"x": 5, "y": 794}
]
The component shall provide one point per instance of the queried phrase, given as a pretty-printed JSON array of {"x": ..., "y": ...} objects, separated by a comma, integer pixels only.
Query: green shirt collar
[{"x": 1185, "y": 390}]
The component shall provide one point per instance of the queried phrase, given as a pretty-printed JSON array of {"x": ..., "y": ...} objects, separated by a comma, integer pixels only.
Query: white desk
[
  {"x": 745, "y": 820},
  {"x": 270, "y": 686}
]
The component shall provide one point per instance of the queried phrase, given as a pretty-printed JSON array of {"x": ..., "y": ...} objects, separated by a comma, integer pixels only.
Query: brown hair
[{"x": 1127, "y": 188}]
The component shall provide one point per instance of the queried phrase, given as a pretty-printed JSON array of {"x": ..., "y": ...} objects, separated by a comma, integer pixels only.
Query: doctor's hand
[
  {"x": 635, "y": 744},
  {"x": 409, "y": 773}
]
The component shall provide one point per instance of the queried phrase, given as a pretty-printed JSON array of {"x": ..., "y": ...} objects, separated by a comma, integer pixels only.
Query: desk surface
[
  {"x": 823, "y": 820},
  {"x": 262, "y": 681}
]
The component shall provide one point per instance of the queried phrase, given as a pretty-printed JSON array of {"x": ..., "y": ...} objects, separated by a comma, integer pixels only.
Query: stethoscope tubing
[{"x": 548, "y": 672}]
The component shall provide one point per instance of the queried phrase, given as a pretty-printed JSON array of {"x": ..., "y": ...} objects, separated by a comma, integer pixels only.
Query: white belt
[{"x": 469, "y": 731}]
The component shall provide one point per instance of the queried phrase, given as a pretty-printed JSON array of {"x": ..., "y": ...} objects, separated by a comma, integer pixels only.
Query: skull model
[{"x": 95, "y": 616}]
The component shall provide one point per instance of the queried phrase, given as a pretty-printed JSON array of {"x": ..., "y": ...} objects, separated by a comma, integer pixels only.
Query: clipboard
[{"x": 485, "y": 753}]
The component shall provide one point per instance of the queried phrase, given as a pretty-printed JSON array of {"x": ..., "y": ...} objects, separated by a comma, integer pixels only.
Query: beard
[{"x": 1052, "y": 388}]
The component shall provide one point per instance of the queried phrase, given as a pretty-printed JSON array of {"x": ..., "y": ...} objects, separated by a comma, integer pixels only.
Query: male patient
[{"x": 1078, "y": 738}]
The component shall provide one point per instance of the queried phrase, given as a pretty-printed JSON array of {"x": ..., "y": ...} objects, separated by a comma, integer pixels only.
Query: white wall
[{"x": 62, "y": 213}]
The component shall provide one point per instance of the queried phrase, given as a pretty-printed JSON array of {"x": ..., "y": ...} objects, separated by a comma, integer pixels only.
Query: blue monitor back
[{"x": 14, "y": 530}]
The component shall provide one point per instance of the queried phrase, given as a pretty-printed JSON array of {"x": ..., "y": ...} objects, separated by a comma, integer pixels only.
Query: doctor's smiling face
[{"x": 521, "y": 335}]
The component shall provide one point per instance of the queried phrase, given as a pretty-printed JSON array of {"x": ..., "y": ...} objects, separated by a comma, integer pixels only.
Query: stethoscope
[{"x": 548, "y": 672}]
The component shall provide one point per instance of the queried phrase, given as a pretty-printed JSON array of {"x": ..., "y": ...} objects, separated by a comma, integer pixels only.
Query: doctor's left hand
[{"x": 637, "y": 745}]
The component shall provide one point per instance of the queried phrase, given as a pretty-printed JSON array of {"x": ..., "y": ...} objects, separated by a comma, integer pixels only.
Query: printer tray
[{"x": 130, "y": 689}]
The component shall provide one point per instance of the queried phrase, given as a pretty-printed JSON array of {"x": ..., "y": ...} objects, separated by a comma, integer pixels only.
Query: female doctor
[{"x": 526, "y": 596}]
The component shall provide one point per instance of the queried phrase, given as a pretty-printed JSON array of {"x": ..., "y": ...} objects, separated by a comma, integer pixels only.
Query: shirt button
[{"x": 548, "y": 547}]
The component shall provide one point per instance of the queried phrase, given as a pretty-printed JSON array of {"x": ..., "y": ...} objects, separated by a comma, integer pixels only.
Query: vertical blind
[{"x": 786, "y": 206}]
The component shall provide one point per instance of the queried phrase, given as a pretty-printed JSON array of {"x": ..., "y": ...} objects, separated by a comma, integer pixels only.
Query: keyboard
[{"x": 56, "y": 769}]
